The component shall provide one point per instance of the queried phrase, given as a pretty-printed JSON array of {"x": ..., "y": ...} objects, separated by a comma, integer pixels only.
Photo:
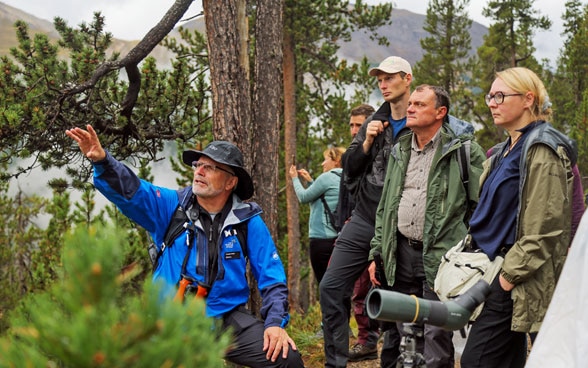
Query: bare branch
[
  {"x": 133, "y": 58},
  {"x": 128, "y": 103}
]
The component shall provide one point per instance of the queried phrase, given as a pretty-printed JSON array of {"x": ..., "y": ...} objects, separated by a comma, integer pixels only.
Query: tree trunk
[
  {"x": 226, "y": 30},
  {"x": 227, "y": 33},
  {"x": 267, "y": 107},
  {"x": 266, "y": 112},
  {"x": 290, "y": 149}
]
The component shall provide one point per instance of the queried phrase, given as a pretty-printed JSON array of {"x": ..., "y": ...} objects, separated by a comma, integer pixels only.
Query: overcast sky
[{"x": 132, "y": 19}]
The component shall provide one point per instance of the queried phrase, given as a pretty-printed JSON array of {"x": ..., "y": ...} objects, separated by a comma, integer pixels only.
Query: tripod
[{"x": 409, "y": 357}]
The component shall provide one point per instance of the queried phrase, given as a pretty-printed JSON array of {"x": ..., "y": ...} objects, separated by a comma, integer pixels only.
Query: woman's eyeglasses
[{"x": 499, "y": 97}]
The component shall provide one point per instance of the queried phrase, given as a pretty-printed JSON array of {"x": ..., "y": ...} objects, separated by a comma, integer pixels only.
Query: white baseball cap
[{"x": 391, "y": 65}]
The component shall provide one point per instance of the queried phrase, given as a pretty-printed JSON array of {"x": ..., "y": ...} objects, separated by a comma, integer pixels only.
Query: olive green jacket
[
  {"x": 535, "y": 261},
  {"x": 446, "y": 209}
]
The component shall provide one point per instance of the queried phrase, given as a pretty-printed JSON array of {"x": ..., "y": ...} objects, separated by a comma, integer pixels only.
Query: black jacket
[{"x": 364, "y": 173}]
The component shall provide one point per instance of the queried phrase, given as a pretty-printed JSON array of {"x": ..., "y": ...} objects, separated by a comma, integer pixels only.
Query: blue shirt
[
  {"x": 397, "y": 125},
  {"x": 493, "y": 223}
]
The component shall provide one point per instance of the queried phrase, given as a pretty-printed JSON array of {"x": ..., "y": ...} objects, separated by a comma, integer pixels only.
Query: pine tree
[
  {"x": 86, "y": 320},
  {"x": 46, "y": 258},
  {"x": 316, "y": 110},
  {"x": 571, "y": 76},
  {"x": 569, "y": 86},
  {"x": 509, "y": 43},
  {"x": 34, "y": 114},
  {"x": 19, "y": 236},
  {"x": 446, "y": 50}
]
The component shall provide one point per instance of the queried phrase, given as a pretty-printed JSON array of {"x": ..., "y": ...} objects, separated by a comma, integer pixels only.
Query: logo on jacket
[
  {"x": 230, "y": 244},
  {"x": 230, "y": 232}
]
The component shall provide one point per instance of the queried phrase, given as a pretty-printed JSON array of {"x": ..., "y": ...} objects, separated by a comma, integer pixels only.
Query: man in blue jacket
[{"x": 208, "y": 257}]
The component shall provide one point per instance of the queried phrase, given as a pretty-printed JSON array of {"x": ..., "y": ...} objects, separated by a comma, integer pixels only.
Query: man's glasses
[
  {"x": 499, "y": 97},
  {"x": 209, "y": 168}
]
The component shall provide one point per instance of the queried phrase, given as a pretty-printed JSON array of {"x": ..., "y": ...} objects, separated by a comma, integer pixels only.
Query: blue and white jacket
[{"x": 152, "y": 207}]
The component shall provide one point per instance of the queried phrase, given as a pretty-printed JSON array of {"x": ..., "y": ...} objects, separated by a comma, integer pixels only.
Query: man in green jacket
[{"x": 424, "y": 207}]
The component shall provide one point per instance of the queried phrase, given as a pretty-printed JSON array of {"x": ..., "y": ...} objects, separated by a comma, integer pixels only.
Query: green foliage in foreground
[
  {"x": 85, "y": 320},
  {"x": 303, "y": 330}
]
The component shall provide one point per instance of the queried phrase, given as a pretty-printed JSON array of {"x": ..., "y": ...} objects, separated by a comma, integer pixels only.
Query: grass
[{"x": 303, "y": 328}]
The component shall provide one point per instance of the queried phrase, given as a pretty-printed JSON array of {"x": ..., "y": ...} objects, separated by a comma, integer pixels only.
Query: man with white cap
[
  {"x": 365, "y": 165},
  {"x": 208, "y": 257}
]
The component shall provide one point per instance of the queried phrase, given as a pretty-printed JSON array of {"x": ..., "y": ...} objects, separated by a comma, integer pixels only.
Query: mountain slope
[
  {"x": 404, "y": 35},
  {"x": 9, "y": 15}
]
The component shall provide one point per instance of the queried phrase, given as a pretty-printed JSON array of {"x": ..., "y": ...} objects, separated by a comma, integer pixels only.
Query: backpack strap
[
  {"x": 242, "y": 228},
  {"x": 330, "y": 213},
  {"x": 464, "y": 162},
  {"x": 463, "y": 158},
  {"x": 178, "y": 224}
]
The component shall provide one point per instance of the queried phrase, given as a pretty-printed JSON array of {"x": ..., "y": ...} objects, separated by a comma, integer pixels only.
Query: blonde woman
[
  {"x": 524, "y": 214},
  {"x": 321, "y": 232}
]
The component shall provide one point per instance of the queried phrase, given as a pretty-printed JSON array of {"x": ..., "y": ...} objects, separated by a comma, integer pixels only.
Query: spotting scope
[{"x": 392, "y": 306}]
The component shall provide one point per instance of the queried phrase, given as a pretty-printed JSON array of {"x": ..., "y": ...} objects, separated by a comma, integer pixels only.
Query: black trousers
[
  {"x": 348, "y": 261},
  {"x": 247, "y": 347},
  {"x": 320, "y": 253},
  {"x": 491, "y": 343}
]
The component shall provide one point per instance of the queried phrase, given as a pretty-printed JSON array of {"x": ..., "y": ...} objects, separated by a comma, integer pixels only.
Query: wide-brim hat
[
  {"x": 391, "y": 65},
  {"x": 225, "y": 153}
]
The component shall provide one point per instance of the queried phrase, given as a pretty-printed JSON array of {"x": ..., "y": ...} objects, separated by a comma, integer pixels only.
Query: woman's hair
[
  {"x": 523, "y": 80},
  {"x": 334, "y": 153}
]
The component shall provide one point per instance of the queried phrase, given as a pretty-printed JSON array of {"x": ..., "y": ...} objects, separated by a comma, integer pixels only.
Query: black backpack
[{"x": 330, "y": 215}]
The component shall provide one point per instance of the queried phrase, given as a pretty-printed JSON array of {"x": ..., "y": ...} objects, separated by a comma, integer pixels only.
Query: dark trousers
[
  {"x": 368, "y": 330},
  {"x": 437, "y": 346},
  {"x": 491, "y": 342},
  {"x": 320, "y": 253},
  {"x": 247, "y": 347},
  {"x": 348, "y": 261}
]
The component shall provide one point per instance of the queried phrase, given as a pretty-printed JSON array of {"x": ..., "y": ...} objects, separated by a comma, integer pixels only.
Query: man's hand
[
  {"x": 276, "y": 339},
  {"x": 374, "y": 128},
  {"x": 372, "y": 272},
  {"x": 88, "y": 142}
]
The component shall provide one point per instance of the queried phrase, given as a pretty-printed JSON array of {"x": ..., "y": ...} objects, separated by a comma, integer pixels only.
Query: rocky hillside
[
  {"x": 404, "y": 34},
  {"x": 9, "y": 15}
]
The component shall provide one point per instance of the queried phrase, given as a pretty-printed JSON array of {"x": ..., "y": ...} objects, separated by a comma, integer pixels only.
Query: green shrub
[{"x": 86, "y": 320}]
